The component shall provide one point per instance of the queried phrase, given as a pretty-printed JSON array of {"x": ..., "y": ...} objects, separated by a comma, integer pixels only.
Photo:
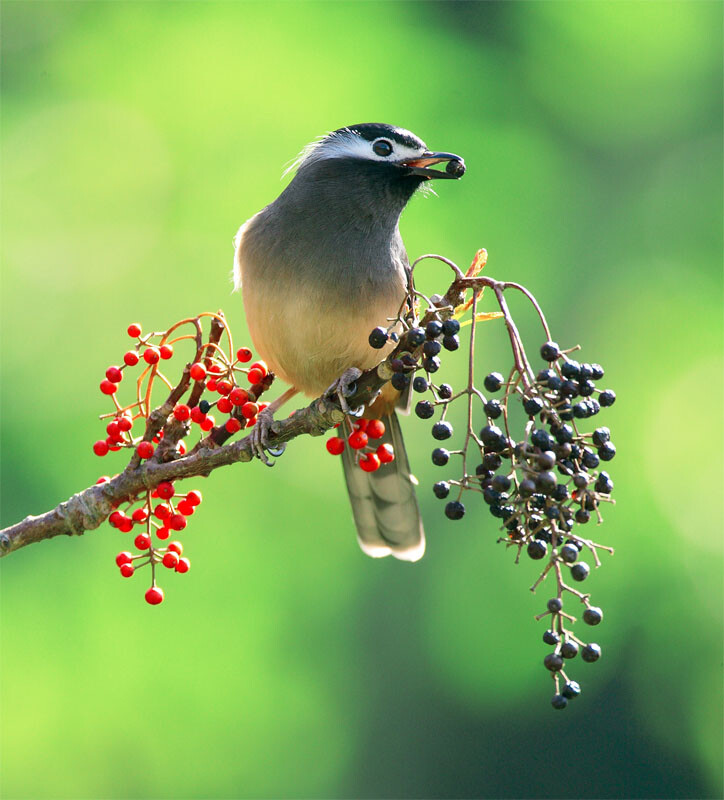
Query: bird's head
[{"x": 384, "y": 151}]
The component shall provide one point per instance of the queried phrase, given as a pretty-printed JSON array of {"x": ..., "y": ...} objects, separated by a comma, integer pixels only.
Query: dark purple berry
[
  {"x": 550, "y": 351},
  {"x": 580, "y": 571},
  {"x": 378, "y": 338},
  {"x": 592, "y": 615},
  {"x": 571, "y": 690},
  {"x": 607, "y": 398},
  {"x": 553, "y": 662},
  {"x": 442, "y": 430},
  {"x": 569, "y": 649},
  {"x": 590, "y": 653},
  {"x": 537, "y": 549},
  {"x": 440, "y": 456},
  {"x": 493, "y": 382},
  {"x": 424, "y": 409},
  {"x": 441, "y": 489},
  {"x": 454, "y": 510},
  {"x": 559, "y": 701}
]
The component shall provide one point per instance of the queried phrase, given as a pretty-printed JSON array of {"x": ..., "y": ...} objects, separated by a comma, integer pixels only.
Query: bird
[{"x": 319, "y": 268}]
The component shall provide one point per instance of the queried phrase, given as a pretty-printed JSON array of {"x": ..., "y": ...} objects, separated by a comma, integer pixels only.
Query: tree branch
[{"x": 88, "y": 509}]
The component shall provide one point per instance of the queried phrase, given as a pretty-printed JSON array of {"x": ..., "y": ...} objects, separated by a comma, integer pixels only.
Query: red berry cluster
[
  {"x": 370, "y": 457},
  {"x": 154, "y": 522},
  {"x": 161, "y": 512}
]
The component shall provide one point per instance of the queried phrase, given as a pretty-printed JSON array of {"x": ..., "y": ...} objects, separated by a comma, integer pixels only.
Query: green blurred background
[{"x": 136, "y": 138}]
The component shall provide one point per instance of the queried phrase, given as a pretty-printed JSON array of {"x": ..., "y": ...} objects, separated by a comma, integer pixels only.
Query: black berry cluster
[{"x": 534, "y": 460}]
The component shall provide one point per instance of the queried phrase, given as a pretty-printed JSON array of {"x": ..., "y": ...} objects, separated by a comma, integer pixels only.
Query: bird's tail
[{"x": 384, "y": 503}]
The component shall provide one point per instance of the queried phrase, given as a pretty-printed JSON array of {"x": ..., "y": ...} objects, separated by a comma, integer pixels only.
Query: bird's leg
[
  {"x": 264, "y": 422},
  {"x": 344, "y": 387}
]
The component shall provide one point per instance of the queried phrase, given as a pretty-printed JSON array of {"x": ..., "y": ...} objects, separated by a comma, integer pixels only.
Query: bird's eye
[{"x": 382, "y": 147}]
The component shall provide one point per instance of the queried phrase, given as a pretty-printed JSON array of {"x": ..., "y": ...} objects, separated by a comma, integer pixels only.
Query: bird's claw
[
  {"x": 345, "y": 387},
  {"x": 260, "y": 436}
]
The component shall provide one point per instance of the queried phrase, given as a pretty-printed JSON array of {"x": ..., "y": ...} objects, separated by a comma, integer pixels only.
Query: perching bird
[{"x": 319, "y": 268}]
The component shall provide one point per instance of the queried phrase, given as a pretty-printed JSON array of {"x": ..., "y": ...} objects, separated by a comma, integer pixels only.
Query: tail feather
[{"x": 384, "y": 503}]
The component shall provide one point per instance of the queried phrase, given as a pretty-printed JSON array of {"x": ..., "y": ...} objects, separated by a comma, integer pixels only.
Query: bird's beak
[{"x": 455, "y": 167}]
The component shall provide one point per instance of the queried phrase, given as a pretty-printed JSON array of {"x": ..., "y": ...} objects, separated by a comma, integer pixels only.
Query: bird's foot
[
  {"x": 260, "y": 437},
  {"x": 344, "y": 387}
]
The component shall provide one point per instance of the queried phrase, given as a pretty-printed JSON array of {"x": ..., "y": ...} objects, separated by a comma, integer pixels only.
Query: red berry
[
  {"x": 163, "y": 533},
  {"x": 114, "y": 374},
  {"x": 166, "y": 351},
  {"x": 238, "y": 396},
  {"x": 115, "y": 518},
  {"x": 139, "y": 515},
  {"x": 357, "y": 440},
  {"x": 170, "y": 559},
  {"x": 154, "y": 596},
  {"x": 177, "y": 522},
  {"x": 224, "y": 405},
  {"x": 165, "y": 490},
  {"x": 335, "y": 445},
  {"x": 197, "y": 415},
  {"x": 185, "y": 508},
  {"x": 151, "y": 355},
  {"x": 370, "y": 462},
  {"x": 375, "y": 429},
  {"x": 108, "y": 387},
  {"x": 134, "y": 330},
  {"x": 261, "y": 366},
  {"x": 125, "y": 423},
  {"x": 255, "y": 376},
  {"x": 142, "y": 541},
  {"x": 181, "y": 447},
  {"x": 215, "y": 368},
  {"x": 103, "y": 479},
  {"x": 208, "y": 423},
  {"x": 243, "y": 354},
  {"x": 127, "y": 570},
  {"x": 124, "y": 557},
  {"x": 162, "y": 511},
  {"x": 386, "y": 453},
  {"x": 125, "y": 525},
  {"x": 249, "y": 410},
  {"x": 211, "y": 385},
  {"x": 224, "y": 387},
  {"x": 250, "y": 423},
  {"x": 198, "y": 371},
  {"x": 113, "y": 428},
  {"x": 130, "y": 359},
  {"x": 145, "y": 449},
  {"x": 361, "y": 424},
  {"x": 194, "y": 498},
  {"x": 176, "y": 547},
  {"x": 181, "y": 412},
  {"x": 184, "y": 565},
  {"x": 233, "y": 425},
  {"x": 100, "y": 448}
]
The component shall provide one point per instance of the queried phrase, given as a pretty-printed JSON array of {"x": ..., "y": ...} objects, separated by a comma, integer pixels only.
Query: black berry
[
  {"x": 553, "y": 662},
  {"x": 493, "y": 382},
  {"x": 420, "y": 384},
  {"x": 440, "y": 456},
  {"x": 450, "y": 327},
  {"x": 424, "y": 409},
  {"x": 592, "y": 615},
  {"x": 550, "y": 351},
  {"x": 441, "y": 489},
  {"x": 454, "y": 510},
  {"x": 607, "y": 398},
  {"x": 559, "y": 701},
  {"x": 442, "y": 430},
  {"x": 580, "y": 571},
  {"x": 378, "y": 338},
  {"x": 590, "y": 653}
]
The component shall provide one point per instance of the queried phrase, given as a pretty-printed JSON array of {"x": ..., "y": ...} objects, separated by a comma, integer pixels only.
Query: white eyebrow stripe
[{"x": 347, "y": 143}]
